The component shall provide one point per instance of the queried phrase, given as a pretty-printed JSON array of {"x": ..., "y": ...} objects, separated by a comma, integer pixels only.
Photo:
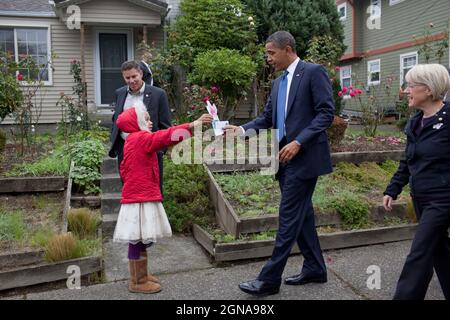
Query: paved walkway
[{"x": 187, "y": 273}]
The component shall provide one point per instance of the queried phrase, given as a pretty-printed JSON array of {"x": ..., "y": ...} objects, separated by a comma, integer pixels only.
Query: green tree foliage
[
  {"x": 304, "y": 19},
  {"x": 213, "y": 24}
]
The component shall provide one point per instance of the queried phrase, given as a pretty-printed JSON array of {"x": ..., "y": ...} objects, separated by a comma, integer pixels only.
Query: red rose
[
  {"x": 344, "y": 90},
  {"x": 193, "y": 107},
  {"x": 340, "y": 93},
  {"x": 352, "y": 94},
  {"x": 20, "y": 77},
  {"x": 205, "y": 99},
  {"x": 214, "y": 89},
  {"x": 338, "y": 68}
]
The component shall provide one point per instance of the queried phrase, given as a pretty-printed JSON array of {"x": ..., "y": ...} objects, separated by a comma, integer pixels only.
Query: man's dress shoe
[
  {"x": 259, "y": 288},
  {"x": 302, "y": 278}
]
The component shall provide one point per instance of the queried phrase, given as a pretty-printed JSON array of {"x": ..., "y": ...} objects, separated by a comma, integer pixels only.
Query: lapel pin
[
  {"x": 146, "y": 95},
  {"x": 437, "y": 126},
  {"x": 440, "y": 119}
]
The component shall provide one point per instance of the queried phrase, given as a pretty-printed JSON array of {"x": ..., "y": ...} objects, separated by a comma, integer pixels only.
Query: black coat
[{"x": 426, "y": 166}]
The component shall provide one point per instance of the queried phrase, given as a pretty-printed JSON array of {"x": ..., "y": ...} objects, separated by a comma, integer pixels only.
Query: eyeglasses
[{"x": 414, "y": 85}]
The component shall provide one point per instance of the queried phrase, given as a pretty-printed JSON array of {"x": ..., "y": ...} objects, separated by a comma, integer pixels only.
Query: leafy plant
[
  {"x": 11, "y": 96},
  {"x": 186, "y": 196},
  {"x": 87, "y": 156},
  {"x": 353, "y": 210},
  {"x": 228, "y": 69}
]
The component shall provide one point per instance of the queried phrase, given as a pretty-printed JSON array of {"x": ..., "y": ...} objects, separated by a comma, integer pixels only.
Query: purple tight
[{"x": 134, "y": 250}]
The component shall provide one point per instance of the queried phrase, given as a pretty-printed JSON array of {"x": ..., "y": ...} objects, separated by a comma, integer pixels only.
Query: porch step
[
  {"x": 108, "y": 225},
  {"x": 110, "y": 203},
  {"x": 109, "y": 166},
  {"x": 111, "y": 183}
]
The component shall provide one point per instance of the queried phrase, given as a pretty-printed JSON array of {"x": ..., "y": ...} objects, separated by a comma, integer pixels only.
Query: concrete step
[
  {"x": 108, "y": 225},
  {"x": 110, "y": 203},
  {"x": 109, "y": 166},
  {"x": 111, "y": 183}
]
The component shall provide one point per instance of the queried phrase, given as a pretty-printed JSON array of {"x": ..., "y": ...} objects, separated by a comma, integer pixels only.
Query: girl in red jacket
[{"x": 142, "y": 218}]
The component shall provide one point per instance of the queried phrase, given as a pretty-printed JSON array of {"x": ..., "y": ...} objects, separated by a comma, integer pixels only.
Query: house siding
[
  {"x": 65, "y": 44},
  {"x": 116, "y": 12},
  {"x": 399, "y": 23},
  {"x": 390, "y": 67}
]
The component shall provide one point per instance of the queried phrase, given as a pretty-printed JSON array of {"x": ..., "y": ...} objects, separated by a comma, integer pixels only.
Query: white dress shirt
[{"x": 130, "y": 101}]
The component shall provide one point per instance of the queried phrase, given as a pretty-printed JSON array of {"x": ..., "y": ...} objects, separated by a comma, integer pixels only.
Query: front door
[{"x": 113, "y": 52}]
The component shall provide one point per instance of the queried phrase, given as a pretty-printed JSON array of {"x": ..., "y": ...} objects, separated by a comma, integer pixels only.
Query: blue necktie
[{"x": 281, "y": 105}]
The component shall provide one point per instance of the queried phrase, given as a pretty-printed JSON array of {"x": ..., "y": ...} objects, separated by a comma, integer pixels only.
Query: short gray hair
[
  {"x": 282, "y": 39},
  {"x": 434, "y": 76}
]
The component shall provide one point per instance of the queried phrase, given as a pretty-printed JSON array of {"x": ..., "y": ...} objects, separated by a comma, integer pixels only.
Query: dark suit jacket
[
  {"x": 310, "y": 112},
  {"x": 156, "y": 101}
]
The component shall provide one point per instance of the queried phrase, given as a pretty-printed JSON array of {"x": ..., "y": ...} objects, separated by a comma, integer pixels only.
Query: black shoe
[
  {"x": 302, "y": 278},
  {"x": 259, "y": 288}
]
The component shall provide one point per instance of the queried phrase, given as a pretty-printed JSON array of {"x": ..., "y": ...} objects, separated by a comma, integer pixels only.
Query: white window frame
[
  {"x": 346, "y": 95},
  {"x": 369, "y": 82},
  {"x": 342, "y": 5},
  {"x": 402, "y": 67},
  {"x": 394, "y": 2},
  {"x": 130, "y": 52},
  {"x": 16, "y": 24},
  {"x": 379, "y": 5}
]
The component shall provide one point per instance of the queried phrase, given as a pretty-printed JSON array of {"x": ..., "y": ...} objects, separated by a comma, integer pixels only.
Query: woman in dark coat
[{"x": 426, "y": 168}]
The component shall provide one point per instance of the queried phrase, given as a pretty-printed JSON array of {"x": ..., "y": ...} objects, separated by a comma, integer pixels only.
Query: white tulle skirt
[{"x": 145, "y": 222}]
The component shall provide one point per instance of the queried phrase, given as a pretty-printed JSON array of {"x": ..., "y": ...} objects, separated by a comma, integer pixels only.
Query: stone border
[
  {"x": 32, "y": 184},
  {"x": 231, "y": 223},
  {"x": 47, "y": 272},
  {"x": 337, "y": 240},
  {"x": 336, "y": 157}
]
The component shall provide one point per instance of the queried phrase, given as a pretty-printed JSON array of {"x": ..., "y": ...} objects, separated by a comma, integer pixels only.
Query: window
[
  {"x": 373, "y": 72},
  {"x": 346, "y": 79},
  {"x": 407, "y": 61},
  {"x": 19, "y": 43},
  {"x": 375, "y": 10},
  {"x": 342, "y": 11},
  {"x": 394, "y": 2}
]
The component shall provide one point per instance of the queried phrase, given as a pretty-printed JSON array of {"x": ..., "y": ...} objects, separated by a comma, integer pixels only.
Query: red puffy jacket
[{"x": 139, "y": 168}]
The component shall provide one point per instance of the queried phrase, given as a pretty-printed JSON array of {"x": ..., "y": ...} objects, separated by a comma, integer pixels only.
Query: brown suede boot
[
  {"x": 138, "y": 278},
  {"x": 149, "y": 276}
]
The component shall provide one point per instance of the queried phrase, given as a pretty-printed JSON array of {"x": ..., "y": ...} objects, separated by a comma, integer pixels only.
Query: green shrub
[
  {"x": 353, "y": 210},
  {"x": 186, "y": 196},
  {"x": 83, "y": 223},
  {"x": 87, "y": 156},
  {"x": 212, "y": 24},
  {"x": 232, "y": 71}
]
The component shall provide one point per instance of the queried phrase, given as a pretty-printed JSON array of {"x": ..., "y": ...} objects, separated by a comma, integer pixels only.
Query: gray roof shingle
[{"x": 25, "y": 5}]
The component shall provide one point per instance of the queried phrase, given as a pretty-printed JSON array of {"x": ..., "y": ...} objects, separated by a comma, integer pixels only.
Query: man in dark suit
[
  {"x": 301, "y": 108},
  {"x": 154, "y": 99}
]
